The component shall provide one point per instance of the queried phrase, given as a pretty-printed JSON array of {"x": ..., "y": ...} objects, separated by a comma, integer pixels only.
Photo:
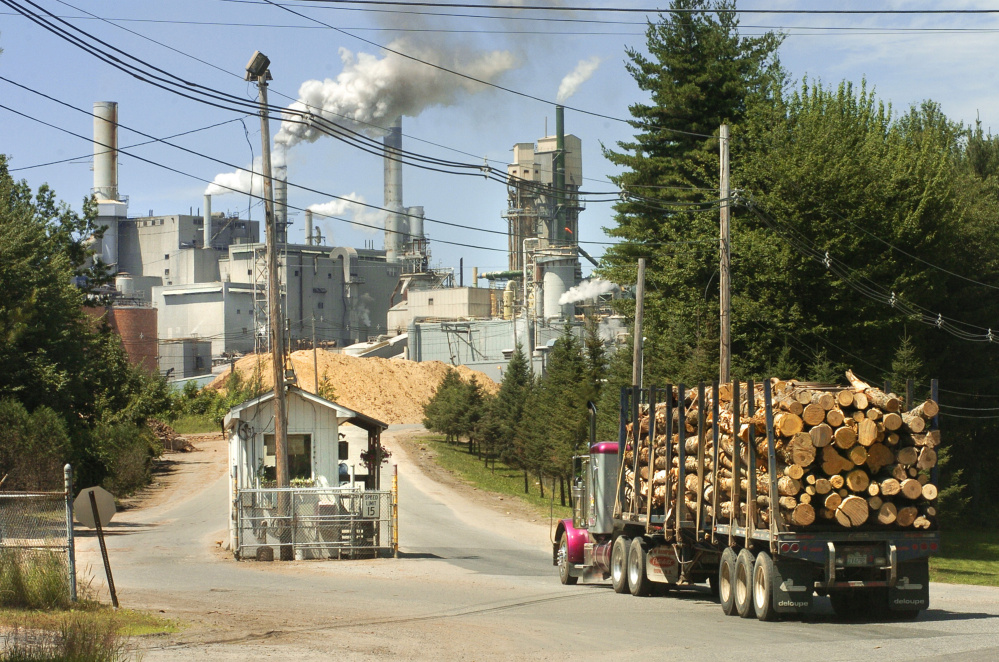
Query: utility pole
[
  {"x": 315, "y": 359},
  {"x": 257, "y": 70},
  {"x": 639, "y": 355},
  {"x": 725, "y": 247}
]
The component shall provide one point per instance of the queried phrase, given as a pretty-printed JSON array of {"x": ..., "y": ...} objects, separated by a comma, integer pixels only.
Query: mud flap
[
  {"x": 912, "y": 590},
  {"x": 793, "y": 582}
]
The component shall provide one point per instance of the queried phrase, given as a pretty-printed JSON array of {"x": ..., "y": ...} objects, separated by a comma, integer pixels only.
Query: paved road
[{"x": 471, "y": 584}]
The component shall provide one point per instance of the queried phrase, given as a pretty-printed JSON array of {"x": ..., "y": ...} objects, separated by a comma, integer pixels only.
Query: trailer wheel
[
  {"x": 726, "y": 581},
  {"x": 638, "y": 580},
  {"x": 563, "y": 561},
  {"x": 763, "y": 587},
  {"x": 619, "y": 564},
  {"x": 744, "y": 564}
]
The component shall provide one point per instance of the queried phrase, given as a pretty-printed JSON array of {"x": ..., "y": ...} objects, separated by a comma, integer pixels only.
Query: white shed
[{"x": 313, "y": 449}]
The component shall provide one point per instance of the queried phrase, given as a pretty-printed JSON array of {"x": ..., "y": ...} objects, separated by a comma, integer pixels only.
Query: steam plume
[
  {"x": 372, "y": 90},
  {"x": 352, "y": 207},
  {"x": 577, "y": 77},
  {"x": 243, "y": 180},
  {"x": 588, "y": 289}
]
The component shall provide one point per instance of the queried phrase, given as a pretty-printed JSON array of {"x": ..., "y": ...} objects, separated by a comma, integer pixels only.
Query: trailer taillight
[
  {"x": 933, "y": 547},
  {"x": 785, "y": 547}
]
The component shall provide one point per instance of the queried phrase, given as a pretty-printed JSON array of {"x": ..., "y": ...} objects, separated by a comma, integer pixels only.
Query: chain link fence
[
  {"x": 35, "y": 531},
  {"x": 319, "y": 523}
]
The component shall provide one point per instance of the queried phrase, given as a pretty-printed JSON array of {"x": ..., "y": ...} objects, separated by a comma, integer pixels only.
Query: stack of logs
[{"x": 846, "y": 456}]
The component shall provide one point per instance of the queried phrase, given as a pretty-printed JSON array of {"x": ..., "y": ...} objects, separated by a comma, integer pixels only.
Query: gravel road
[{"x": 471, "y": 583}]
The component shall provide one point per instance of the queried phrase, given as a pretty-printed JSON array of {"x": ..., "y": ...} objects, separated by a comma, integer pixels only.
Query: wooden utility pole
[
  {"x": 257, "y": 69},
  {"x": 725, "y": 247},
  {"x": 639, "y": 355}
]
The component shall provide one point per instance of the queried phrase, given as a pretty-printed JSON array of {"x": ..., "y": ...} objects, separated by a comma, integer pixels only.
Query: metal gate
[{"x": 319, "y": 523}]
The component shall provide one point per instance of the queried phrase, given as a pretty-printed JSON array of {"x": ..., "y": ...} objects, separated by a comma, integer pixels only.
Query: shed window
[{"x": 299, "y": 457}]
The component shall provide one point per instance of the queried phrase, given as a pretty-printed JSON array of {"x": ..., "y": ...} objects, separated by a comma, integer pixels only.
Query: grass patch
[
  {"x": 967, "y": 557},
  {"x": 194, "y": 424},
  {"x": 501, "y": 479},
  {"x": 33, "y": 580}
]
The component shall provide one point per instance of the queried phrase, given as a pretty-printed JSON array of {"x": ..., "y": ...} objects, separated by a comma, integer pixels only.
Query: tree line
[
  {"x": 535, "y": 423},
  {"x": 67, "y": 390}
]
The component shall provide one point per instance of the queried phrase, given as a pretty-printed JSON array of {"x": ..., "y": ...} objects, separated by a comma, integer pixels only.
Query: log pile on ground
[
  {"x": 846, "y": 457},
  {"x": 168, "y": 437}
]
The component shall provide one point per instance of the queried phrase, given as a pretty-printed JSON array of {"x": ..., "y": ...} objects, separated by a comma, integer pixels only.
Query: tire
[
  {"x": 764, "y": 576},
  {"x": 726, "y": 581},
  {"x": 563, "y": 561},
  {"x": 638, "y": 580},
  {"x": 619, "y": 564},
  {"x": 743, "y": 584}
]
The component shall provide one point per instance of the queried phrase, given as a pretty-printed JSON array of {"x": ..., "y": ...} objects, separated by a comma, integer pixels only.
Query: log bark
[
  {"x": 787, "y": 502},
  {"x": 877, "y": 397}
]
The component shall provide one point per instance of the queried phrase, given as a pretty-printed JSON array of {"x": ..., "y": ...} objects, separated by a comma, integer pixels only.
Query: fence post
[
  {"x": 395, "y": 511},
  {"x": 67, "y": 473}
]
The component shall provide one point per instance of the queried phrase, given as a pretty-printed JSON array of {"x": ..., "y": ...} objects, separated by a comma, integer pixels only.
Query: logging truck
[{"x": 771, "y": 493}]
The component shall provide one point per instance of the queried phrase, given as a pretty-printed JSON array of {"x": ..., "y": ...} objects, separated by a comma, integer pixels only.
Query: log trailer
[{"x": 665, "y": 508}]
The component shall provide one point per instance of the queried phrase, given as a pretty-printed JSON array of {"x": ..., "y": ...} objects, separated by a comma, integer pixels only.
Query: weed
[{"x": 33, "y": 580}]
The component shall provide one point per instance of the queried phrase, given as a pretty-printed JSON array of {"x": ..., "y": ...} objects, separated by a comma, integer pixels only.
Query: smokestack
[
  {"x": 106, "y": 150},
  {"x": 415, "y": 222},
  {"x": 208, "y": 221},
  {"x": 281, "y": 202},
  {"x": 461, "y": 272},
  {"x": 393, "y": 191},
  {"x": 559, "y": 178},
  {"x": 308, "y": 227}
]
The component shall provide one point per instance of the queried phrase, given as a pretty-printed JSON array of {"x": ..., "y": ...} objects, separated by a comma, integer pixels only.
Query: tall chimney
[
  {"x": 106, "y": 150},
  {"x": 281, "y": 202},
  {"x": 208, "y": 221},
  {"x": 559, "y": 179},
  {"x": 308, "y": 227},
  {"x": 394, "y": 228}
]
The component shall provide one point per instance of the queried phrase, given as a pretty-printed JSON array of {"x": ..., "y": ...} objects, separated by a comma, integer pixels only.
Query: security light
[{"x": 257, "y": 66}]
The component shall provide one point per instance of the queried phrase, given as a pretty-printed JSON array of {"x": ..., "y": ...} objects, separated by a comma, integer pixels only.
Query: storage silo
[{"x": 559, "y": 275}]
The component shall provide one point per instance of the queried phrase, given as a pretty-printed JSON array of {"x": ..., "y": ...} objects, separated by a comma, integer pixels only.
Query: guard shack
[{"x": 321, "y": 515}]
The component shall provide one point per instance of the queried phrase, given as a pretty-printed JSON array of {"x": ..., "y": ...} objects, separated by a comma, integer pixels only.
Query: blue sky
[{"x": 906, "y": 58}]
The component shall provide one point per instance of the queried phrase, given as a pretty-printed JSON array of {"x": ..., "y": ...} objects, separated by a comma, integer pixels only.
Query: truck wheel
[
  {"x": 619, "y": 565},
  {"x": 726, "y": 581},
  {"x": 563, "y": 561},
  {"x": 763, "y": 587},
  {"x": 744, "y": 583},
  {"x": 638, "y": 580}
]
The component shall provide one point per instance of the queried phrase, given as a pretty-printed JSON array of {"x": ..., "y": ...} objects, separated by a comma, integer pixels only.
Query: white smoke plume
[
  {"x": 243, "y": 180},
  {"x": 372, "y": 90},
  {"x": 570, "y": 84},
  {"x": 588, "y": 289},
  {"x": 352, "y": 206}
]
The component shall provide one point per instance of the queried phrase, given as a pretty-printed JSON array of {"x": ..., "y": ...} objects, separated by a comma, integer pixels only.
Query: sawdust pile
[{"x": 390, "y": 390}]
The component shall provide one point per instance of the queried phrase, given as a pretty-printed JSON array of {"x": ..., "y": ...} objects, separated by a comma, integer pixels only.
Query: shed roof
[{"x": 343, "y": 414}]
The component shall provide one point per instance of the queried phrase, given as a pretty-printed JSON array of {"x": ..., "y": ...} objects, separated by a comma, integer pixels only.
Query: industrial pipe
[{"x": 208, "y": 222}]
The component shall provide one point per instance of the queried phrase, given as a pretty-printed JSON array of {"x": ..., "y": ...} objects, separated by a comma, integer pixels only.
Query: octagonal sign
[{"x": 83, "y": 511}]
